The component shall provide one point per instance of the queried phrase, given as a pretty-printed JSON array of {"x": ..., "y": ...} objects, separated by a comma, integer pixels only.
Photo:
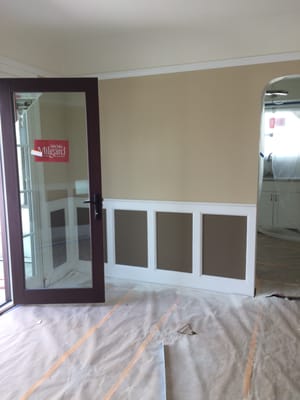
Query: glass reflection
[{"x": 52, "y": 160}]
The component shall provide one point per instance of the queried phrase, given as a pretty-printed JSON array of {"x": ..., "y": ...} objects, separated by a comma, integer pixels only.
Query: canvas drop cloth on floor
[
  {"x": 243, "y": 348},
  {"x": 240, "y": 353}
]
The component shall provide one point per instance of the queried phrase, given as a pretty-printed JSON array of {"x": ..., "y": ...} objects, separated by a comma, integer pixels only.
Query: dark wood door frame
[
  {"x": 89, "y": 86},
  {"x": 6, "y": 271}
]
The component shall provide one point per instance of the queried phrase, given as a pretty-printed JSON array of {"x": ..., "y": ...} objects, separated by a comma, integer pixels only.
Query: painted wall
[
  {"x": 191, "y": 136},
  {"x": 63, "y": 116},
  {"x": 52, "y": 120}
]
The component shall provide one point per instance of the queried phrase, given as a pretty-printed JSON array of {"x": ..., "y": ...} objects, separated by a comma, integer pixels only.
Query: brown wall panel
[
  {"x": 84, "y": 239},
  {"x": 58, "y": 236},
  {"x": 174, "y": 241},
  {"x": 131, "y": 238},
  {"x": 83, "y": 221},
  {"x": 224, "y": 246}
]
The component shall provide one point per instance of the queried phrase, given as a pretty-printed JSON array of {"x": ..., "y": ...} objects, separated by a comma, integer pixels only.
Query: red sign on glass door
[{"x": 51, "y": 150}]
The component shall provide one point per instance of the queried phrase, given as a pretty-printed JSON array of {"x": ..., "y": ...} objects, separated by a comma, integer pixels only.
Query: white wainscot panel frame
[{"x": 195, "y": 279}]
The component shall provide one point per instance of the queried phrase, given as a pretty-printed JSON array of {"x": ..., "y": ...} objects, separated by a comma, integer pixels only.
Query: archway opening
[{"x": 278, "y": 219}]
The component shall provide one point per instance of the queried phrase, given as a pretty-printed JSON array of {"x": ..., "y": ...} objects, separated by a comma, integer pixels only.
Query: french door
[{"x": 52, "y": 181}]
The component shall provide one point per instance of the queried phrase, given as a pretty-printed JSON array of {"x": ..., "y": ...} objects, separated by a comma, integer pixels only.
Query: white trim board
[
  {"x": 12, "y": 68},
  {"x": 195, "y": 279},
  {"x": 206, "y": 65}
]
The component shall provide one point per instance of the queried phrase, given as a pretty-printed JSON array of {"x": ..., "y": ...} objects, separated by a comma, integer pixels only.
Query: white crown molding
[
  {"x": 12, "y": 69},
  {"x": 236, "y": 62}
]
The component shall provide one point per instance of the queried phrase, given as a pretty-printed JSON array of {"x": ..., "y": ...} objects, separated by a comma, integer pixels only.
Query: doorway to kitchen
[{"x": 278, "y": 236}]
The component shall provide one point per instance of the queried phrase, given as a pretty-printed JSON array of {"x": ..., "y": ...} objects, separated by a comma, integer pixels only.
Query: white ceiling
[{"x": 76, "y": 37}]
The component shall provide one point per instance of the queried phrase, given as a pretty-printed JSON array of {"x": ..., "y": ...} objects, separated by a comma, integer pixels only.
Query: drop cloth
[{"x": 242, "y": 346}]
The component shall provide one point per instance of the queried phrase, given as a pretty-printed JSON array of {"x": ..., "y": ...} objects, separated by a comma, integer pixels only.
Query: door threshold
[{"x": 6, "y": 306}]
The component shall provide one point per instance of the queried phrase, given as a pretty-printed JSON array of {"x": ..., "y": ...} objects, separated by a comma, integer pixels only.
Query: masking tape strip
[
  {"x": 139, "y": 352},
  {"x": 250, "y": 359},
  {"x": 75, "y": 347}
]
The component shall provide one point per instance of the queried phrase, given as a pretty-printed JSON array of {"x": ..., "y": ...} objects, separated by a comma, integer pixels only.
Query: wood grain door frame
[{"x": 89, "y": 86}]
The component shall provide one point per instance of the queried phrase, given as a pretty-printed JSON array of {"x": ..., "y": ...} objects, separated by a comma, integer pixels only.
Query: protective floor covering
[{"x": 243, "y": 348}]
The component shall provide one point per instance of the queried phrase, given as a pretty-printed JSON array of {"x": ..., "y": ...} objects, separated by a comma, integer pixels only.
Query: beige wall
[
  {"x": 52, "y": 119},
  {"x": 76, "y": 133},
  {"x": 63, "y": 116},
  {"x": 191, "y": 136}
]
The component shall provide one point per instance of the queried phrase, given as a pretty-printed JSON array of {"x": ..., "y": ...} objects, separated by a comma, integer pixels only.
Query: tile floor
[{"x": 277, "y": 265}]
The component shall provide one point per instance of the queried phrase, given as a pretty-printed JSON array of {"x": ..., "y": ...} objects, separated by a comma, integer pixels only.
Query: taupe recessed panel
[
  {"x": 174, "y": 241},
  {"x": 224, "y": 246},
  {"x": 58, "y": 236},
  {"x": 131, "y": 238},
  {"x": 84, "y": 236}
]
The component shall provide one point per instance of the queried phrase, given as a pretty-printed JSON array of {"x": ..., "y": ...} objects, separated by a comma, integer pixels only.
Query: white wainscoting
[
  {"x": 195, "y": 279},
  {"x": 50, "y": 274}
]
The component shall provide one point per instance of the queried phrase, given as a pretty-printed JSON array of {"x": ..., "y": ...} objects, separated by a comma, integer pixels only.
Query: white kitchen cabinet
[
  {"x": 279, "y": 205},
  {"x": 288, "y": 210},
  {"x": 268, "y": 209}
]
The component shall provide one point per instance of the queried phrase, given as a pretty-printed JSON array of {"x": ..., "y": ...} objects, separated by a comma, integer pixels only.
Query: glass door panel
[
  {"x": 50, "y": 133},
  {"x": 51, "y": 140}
]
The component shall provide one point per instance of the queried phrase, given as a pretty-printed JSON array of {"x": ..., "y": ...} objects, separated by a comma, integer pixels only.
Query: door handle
[{"x": 97, "y": 202}]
